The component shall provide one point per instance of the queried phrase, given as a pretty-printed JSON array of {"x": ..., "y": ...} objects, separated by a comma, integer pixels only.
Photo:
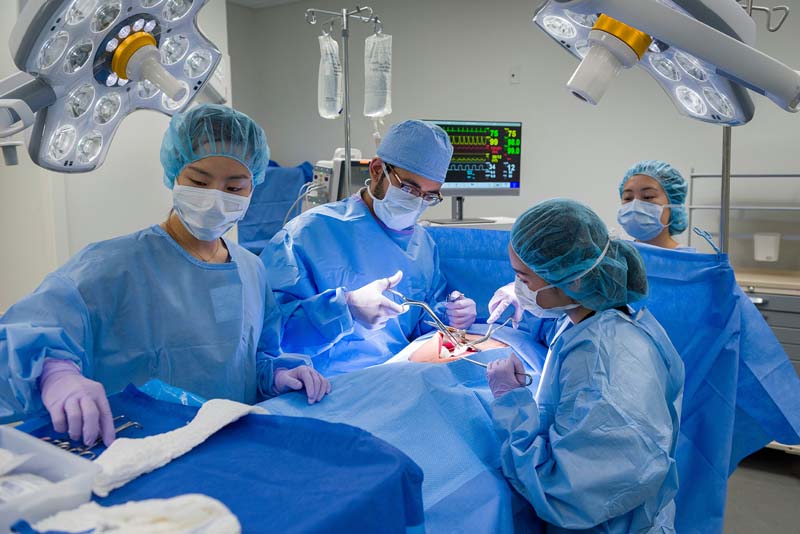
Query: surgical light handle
[
  {"x": 145, "y": 64},
  {"x": 732, "y": 58},
  {"x": 21, "y": 96}
]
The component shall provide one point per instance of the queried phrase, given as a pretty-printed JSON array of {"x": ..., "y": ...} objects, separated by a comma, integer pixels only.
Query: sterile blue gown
[
  {"x": 595, "y": 450},
  {"x": 139, "y": 307},
  {"x": 340, "y": 247}
]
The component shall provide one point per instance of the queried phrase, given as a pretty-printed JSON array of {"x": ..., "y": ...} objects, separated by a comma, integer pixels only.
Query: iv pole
[{"x": 345, "y": 15}]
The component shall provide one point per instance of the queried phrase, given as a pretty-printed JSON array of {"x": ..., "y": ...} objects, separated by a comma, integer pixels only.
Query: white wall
[
  {"x": 46, "y": 217},
  {"x": 452, "y": 60}
]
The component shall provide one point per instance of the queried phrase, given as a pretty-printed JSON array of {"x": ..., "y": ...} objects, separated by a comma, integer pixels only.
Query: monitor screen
[
  {"x": 486, "y": 158},
  {"x": 358, "y": 176}
]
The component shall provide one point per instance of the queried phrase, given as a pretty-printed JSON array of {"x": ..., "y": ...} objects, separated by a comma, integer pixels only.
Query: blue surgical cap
[
  {"x": 213, "y": 130},
  {"x": 560, "y": 239},
  {"x": 673, "y": 184},
  {"x": 419, "y": 147}
]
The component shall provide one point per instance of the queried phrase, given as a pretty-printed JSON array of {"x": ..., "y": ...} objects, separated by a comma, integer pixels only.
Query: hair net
[
  {"x": 419, "y": 147},
  {"x": 559, "y": 239},
  {"x": 673, "y": 184},
  {"x": 213, "y": 130}
]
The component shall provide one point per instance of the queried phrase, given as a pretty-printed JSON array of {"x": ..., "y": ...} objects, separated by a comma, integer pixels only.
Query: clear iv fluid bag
[
  {"x": 330, "y": 97},
  {"x": 378, "y": 75}
]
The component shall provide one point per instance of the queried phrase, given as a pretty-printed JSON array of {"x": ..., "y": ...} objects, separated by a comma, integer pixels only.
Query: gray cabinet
[{"x": 782, "y": 313}]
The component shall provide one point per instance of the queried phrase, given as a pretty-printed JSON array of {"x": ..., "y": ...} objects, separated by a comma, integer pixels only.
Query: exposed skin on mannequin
[
  {"x": 213, "y": 172},
  {"x": 648, "y": 189},
  {"x": 378, "y": 183}
]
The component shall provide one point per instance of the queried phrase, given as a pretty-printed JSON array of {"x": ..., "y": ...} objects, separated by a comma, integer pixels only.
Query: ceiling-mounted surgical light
[
  {"x": 90, "y": 63},
  {"x": 699, "y": 51}
]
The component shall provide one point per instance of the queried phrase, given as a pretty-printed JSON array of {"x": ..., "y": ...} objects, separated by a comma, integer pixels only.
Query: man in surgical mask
[{"x": 330, "y": 268}]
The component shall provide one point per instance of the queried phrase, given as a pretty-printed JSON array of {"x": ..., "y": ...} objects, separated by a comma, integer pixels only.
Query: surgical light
[
  {"x": 87, "y": 64},
  {"x": 699, "y": 51}
]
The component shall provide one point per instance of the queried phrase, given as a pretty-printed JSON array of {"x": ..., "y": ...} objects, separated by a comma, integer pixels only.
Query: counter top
[{"x": 763, "y": 279}]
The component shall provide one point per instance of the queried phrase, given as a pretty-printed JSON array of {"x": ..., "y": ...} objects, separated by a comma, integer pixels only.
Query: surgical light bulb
[
  {"x": 80, "y": 100},
  {"x": 173, "y": 49},
  {"x": 172, "y": 105},
  {"x": 718, "y": 102},
  {"x": 176, "y": 9},
  {"x": 77, "y": 56},
  {"x": 146, "y": 89},
  {"x": 690, "y": 66},
  {"x": 587, "y": 21},
  {"x": 138, "y": 25},
  {"x": 107, "y": 108},
  {"x": 112, "y": 79},
  {"x": 691, "y": 100},
  {"x": 61, "y": 142},
  {"x": 559, "y": 27},
  {"x": 197, "y": 63},
  {"x": 79, "y": 10},
  {"x": 52, "y": 49},
  {"x": 150, "y": 26},
  {"x": 150, "y": 3},
  {"x": 665, "y": 68},
  {"x": 106, "y": 14},
  {"x": 122, "y": 82},
  {"x": 112, "y": 45},
  {"x": 124, "y": 32},
  {"x": 89, "y": 147}
]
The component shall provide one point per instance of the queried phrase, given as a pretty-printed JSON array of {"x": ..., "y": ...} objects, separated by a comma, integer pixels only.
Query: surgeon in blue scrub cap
[
  {"x": 653, "y": 195},
  {"x": 331, "y": 267},
  {"x": 175, "y": 301},
  {"x": 593, "y": 449}
]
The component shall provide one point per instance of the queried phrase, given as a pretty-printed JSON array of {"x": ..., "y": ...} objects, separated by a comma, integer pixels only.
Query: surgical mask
[
  {"x": 208, "y": 213},
  {"x": 641, "y": 220},
  {"x": 527, "y": 297},
  {"x": 397, "y": 209}
]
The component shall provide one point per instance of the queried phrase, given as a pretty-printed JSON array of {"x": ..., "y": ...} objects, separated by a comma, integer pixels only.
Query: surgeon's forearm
[{"x": 315, "y": 324}]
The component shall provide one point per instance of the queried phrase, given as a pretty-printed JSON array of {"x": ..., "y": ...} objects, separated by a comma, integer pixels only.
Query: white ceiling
[{"x": 261, "y": 3}]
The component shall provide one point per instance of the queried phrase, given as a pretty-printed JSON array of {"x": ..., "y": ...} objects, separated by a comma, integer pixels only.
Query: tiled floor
[{"x": 764, "y": 495}]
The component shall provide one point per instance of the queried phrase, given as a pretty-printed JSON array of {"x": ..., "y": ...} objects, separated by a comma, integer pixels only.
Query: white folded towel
[{"x": 127, "y": 459}]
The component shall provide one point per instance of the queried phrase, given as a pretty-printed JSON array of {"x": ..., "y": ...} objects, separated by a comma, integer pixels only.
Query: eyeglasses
[{"x": 431, "y": 199}]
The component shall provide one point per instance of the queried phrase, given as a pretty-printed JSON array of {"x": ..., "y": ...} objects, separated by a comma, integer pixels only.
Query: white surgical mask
[
  {"x": 208, "y": 213},
  {"x": 397, "y": 209},
  {"x": 641, "y": 220},
  {"x": 527, "y": 297}
]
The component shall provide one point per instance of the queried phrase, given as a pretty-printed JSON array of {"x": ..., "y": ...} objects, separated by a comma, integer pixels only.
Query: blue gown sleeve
[
  {"x": 51, "y": 322},
  {"x": 313, "y": 321},
  {"x": 269, "y": 356},
  {"x": 597, "y": 461}
]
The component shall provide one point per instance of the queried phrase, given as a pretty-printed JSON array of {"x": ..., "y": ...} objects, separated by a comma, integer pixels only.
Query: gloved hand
[
  {"x": 76, "y": 403},
  {"x": 502, "y": 299},
  {"x": 461, "y": 313},
  {"x": 370, "y": 306},
  {"x": 504, "y": 375},
  {"x": 316, "y": 385}
]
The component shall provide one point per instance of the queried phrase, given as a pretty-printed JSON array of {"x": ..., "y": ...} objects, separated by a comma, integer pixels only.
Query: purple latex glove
[
  {"x": 316, "y": 385},
  {"x": 504, "y": 375},
  {"x": 461, "y": 313},
  {"x": 76, "y": 403},
  {"x": 501, "y": 300}
]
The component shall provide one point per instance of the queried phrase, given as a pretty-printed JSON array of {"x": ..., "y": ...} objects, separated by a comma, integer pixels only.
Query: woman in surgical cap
[
  {"x": 176, "y": 301},
  {"x": 593, "y": 448},
  {"x": 653, "y": 195}
]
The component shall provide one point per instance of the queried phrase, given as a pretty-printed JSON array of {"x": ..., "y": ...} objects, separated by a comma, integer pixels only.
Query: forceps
[
  {"x": 528, "y": 376},
  {"x": 443, "y": 328}
]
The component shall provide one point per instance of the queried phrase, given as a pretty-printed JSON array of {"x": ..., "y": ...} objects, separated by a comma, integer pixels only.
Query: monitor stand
[{"x": 458, "y": 215}]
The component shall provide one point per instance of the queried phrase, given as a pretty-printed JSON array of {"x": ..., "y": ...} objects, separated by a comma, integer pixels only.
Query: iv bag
[
  {"x": 378, "y": 75},
  {"x": 329, "y": 90}
]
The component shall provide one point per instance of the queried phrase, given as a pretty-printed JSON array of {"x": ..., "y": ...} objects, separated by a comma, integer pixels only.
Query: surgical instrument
[
  {"x": 528, "y": 376},
  {"x": 443, "y": 328}
]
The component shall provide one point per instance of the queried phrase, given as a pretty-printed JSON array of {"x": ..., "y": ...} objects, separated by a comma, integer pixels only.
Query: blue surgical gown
[
  {"x": 139, "y": 307},
  {"x": 595, "y": 450},
  {"x": 340, "y": 247}
]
